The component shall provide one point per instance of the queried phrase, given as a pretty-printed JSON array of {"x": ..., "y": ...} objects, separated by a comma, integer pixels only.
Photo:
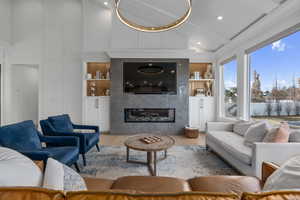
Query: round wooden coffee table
[{"x": 135, "y": 143}]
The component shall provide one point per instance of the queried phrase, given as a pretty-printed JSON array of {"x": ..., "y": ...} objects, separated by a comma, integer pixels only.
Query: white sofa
[{"x": 230, "y": 146}]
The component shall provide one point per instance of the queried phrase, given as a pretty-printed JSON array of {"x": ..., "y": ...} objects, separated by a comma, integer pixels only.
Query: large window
[
  {"x": 275, "y": 80},
  {"x": 230, "y": 89}
]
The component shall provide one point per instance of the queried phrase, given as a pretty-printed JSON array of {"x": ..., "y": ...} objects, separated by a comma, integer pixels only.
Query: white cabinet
[
  {"x": 97, "y": 112},
  {"x": 201, "y": 110}
]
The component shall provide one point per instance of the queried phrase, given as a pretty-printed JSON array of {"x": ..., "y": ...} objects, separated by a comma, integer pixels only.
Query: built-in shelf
[
  {"x": 98, "y": 79},
  {"x": 203, "y": 83}
]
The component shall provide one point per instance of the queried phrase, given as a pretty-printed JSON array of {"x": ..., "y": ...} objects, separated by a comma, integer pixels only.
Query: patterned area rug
[{"x": 183, "y": 161}]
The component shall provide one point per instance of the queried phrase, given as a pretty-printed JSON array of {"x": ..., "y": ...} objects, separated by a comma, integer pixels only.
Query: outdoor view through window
[
  {"x": 230, "y": 89},
  {"x": 275, "y": 80}
]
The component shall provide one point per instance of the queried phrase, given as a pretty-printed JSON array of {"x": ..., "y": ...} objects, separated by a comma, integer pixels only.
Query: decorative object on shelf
[
  {"x": 107, "y": 92},
  {"x": 89, "y": 76},
  {"x": 98, "y": 74},
  {"x": 208, "y": 73},
  {"x": 208, "y": 88},
  {"x": 197, "y": 76},
  {"x": 93, "y": 88},
  {"x": 166, "y": 27},
  {"x": 108, "y": 75},
  {"x": 191, "y": 132},
  {"x": 192, "y": 76},
  {"x": 200, "y": 92},
  {"x": 151, "y": 139}
]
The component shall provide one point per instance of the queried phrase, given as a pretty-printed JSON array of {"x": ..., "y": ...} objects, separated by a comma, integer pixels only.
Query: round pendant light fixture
[{"x": 154, "y": 29}]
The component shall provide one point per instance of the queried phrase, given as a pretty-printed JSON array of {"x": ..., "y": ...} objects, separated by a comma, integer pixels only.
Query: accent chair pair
[{"x": 59, "y": 140}]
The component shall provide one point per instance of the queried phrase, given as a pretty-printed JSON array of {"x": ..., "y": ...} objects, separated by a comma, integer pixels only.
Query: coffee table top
[{"x": 134, "y": 142}]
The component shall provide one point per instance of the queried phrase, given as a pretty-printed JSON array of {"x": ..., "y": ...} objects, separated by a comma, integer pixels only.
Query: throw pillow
[
  {"x": 61, "y": 177},
  {"x": 269, "y": 138},
  {"x": 18, "y": 170},
  {"x": 72, "y": 180},
  {"x": 282, "y": 134},
  {"x": 241, "y": 127},
  {"x": 256, "y": 133},
  {"x": 54, "y": 175},
  {"x": 294, "y": 135},
  {"x": 286, "y": 177}
]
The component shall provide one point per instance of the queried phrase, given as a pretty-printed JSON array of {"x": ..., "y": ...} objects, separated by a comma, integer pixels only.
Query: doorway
[{"x": 24, "y": 93}]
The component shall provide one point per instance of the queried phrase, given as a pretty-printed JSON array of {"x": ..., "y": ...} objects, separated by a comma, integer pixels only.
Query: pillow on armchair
[
  {"x": 22, "y": 136},
  {"x": 61, "y": 123}
]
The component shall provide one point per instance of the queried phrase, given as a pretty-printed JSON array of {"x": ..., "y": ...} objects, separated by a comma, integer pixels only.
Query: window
[
  {"x": 230, "y": 89},
  {"x": 275, "y": 80}
]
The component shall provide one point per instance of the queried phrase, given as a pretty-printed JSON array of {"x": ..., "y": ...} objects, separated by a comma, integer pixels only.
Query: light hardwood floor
[{"x": 118, "y": 140}]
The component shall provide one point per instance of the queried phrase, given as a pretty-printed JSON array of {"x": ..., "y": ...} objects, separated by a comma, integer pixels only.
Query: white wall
[
  {"x": 59, "y": 35},
  {"x": 49, "y": 34},
  {"x": 23, "y": 104},
  {"x": 275, "y": 23},
  {"x": 5, "y": 20}
]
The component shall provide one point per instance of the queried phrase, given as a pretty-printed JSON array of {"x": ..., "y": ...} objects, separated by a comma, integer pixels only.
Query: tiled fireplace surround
[{"x": 121, "y": 101}]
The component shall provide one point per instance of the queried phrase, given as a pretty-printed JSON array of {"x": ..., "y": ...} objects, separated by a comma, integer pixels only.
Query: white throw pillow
[
  {"x": 295, "y": 135},
  {"x": 256, "y": 133},
  {"x": 242, "y": 126},
  {"x": 61, "y": 177},
  {"x": 54, "y": 175},
  {"x": 269, "y": 138},
  {"x": 287, "y": 177},
  {"x": 18, "y": 170}
]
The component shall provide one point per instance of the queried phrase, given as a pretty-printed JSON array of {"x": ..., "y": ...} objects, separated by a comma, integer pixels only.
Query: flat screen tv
[{"x": 150, "y": 77}]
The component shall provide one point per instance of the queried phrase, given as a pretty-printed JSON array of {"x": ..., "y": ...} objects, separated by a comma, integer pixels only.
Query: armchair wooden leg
[
  {"x": 98, "y": 148},
  {"x": 76, "y": 167},
  {"x": 84, "y": 160}
]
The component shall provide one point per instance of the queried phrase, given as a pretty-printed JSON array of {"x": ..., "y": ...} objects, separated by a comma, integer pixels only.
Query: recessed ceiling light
[
  {"x": 198, "y": 43},
  {"x": 220, "y": 17},
  {"x": 105, "y": 3}
]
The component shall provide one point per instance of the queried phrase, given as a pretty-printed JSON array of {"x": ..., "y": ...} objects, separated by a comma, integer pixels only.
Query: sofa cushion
[
  {"x": 233, "y": 144},
  {"x": 54, "y": 175},
  {"x": 18, "y": 170},
  {"x": 241, "y": 127},
  {"x": 256, "y": 133},
  {"x": 30, "y": 193},
  {"x": 153, "y": 184},
  {"x": 226, "y": 184},
  {"x": 97, "y": 184},
  {"x": 63, "y": 154},
  {"x": 61, "y": 123},
  {"x": 21, "y": 136},
  {"x": 152, "y": 196},
  {"x": 275, "y": 195}
]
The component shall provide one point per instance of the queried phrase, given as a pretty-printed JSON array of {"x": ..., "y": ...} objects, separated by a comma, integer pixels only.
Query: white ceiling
[{"x": 203, "y": 25}]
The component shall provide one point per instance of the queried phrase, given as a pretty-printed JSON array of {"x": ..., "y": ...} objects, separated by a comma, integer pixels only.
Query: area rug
[{"x": 182, "y": 161}]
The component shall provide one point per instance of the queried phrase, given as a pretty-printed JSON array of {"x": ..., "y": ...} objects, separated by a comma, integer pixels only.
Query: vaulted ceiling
[{"x": 203, "y": 30}]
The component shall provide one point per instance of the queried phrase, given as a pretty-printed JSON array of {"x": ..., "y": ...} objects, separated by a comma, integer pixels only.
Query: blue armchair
[
  {"x": 62, "y": 126},
  {"x": 26, "y": 139}
]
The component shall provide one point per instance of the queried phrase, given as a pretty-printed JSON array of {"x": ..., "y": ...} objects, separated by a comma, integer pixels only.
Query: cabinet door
[
  {"x": 92, "y": 111},
  {"x": 104, "y": 114},
  {"x": 194, "y": 112},
  {"x": 207, "y": 111}
]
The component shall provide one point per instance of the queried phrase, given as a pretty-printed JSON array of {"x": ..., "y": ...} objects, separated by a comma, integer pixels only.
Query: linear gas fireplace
[{"x": 149, "y": 115}]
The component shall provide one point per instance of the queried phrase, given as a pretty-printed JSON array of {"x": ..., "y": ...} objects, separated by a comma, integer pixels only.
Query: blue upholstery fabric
[
  {"x": 61, "y": 123},
  {"x": 87, "y": 140},
  {"x": 21, "y": 136},
  {"x": 26, "y": 139},
  {"x": 65, "y": 155}
]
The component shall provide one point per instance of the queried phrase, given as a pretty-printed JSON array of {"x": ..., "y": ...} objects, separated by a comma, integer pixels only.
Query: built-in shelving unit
[
  {"x": 98, "y": 79},
  {"x": 205, "y": 80}
]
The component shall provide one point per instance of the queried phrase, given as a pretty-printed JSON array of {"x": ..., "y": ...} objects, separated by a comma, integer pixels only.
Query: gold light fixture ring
[{"x": 154, "y": 29}]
